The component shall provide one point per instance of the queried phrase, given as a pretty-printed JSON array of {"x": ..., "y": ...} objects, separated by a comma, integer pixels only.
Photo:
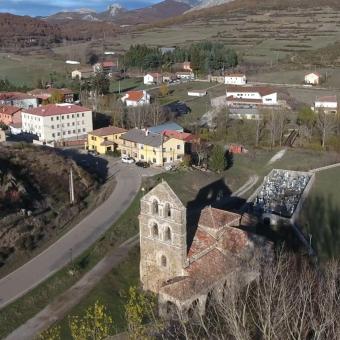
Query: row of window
[
  {"x": 156, "y": 211},
  {"x": 67, "y": 132},
  {"x": 68, "y": 124},
  {"x": 30, "y": 117},
  {"x": 68, "y": 116}
]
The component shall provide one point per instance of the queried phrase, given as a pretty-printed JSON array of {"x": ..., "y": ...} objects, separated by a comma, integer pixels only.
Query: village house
[
  {"x": 104, "y": 140},
  {"x": 172, "y": 126},
  {"x": 168, "y": 77},
  {"x": 197, "y": 93},
  {"x": 19, "y": 99},
  {"x": 185, "y": 260},
  {"x": 187, "y": 66},
  {"x": 106, "y": 67},
  {"x": 56, "y": 122},
  {"x": 155, "y": 148},
  {"x": 186, "y": 75},
  {"x": 312, "y": 78},
  {"x": 235, "y": 79},
  {"x": 153, "y": 78},
  {"x": 328, "y": 104},
  {"x": 10, "y": 115},
  {"x": 136, "y": 98},
  {"x": 44, "y": 95},
  {"x": 82, "y": 73},
  {"x": 249, "y": 95}
]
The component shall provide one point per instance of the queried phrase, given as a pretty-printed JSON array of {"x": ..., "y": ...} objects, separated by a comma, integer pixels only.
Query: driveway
[{"x": 78, "y": 239}]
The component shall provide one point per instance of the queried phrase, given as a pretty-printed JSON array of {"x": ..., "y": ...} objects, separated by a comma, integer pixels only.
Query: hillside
[{"x": 34, "y": 197}]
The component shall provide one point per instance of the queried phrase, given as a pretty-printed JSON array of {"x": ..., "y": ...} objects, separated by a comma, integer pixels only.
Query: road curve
[{"x": 77, "y": 240}]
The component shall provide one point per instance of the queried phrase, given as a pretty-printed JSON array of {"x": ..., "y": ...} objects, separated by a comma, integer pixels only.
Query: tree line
[{"x": 205, "y": 57}]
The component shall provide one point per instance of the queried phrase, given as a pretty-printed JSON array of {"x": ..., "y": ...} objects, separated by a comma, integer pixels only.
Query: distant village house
[
  {"x": 253, "y": 96},
  {"x": 312, "y": 78},
  {"x": 19, "y": 99},
  {"x": 235, "y": 79},
  {"x": 328, "y": 104},
  {"x": 136, "y": 98},
  {"x": 153, "y": 78}
]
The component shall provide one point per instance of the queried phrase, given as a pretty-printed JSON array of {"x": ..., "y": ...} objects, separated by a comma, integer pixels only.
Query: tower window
[
  {"x": 155, "y": 208},
  {"x": 168, "y": 234},
  {"x": 163, "y": 261},
  {"x": 167, "y": 210},
  {"x": 155, "y": 230}
]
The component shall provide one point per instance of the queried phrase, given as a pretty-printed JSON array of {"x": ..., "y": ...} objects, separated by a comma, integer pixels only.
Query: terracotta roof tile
[
  {"x": 135, "y": 96},
  {"x": 216, "y": 219},
  {"x": 56, "y": 109},
  {"x": 9, "y": 110},
  {"x": 201, "y": 242},
  {"x": 108, "y": 130},
  {"x": 187, "y": 137}
]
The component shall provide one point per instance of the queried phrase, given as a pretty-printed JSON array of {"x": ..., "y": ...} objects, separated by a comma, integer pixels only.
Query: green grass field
[
  {"x": 26, "y": 307},
  {"x": 320, "y": 214}
]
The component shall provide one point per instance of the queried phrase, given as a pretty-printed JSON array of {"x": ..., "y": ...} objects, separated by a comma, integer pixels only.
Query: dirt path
[{"x": 70, "y": 298}]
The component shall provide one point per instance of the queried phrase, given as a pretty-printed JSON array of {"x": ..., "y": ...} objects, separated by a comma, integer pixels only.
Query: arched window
[
  {"x": 155, "y": 230},
  {"x": 155, "y": 207},
  {"x": 167, "y": 210},
  {"x": 163, "y": 261},
  {"x": 167, "y": 235}
]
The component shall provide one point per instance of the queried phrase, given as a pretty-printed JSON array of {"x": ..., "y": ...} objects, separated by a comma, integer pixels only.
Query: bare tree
[{"x": 326, "y": 124}]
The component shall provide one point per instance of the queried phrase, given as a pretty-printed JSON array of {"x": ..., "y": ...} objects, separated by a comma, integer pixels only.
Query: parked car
[
  {"x": 143, "y": 164},
  {"x": 169, "y": 167},
  {"x": 92, "y": 152},
  {"x": 127, "y": 159}
]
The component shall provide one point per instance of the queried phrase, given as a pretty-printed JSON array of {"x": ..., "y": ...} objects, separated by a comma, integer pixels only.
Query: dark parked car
[{"x": 142, "y": 164}]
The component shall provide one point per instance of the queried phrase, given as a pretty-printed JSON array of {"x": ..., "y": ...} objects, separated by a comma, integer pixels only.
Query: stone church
[{"x": 183, "y": 269}]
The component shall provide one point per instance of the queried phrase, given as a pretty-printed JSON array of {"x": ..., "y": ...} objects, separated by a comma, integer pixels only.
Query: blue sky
[{"x": 46, "y": 7}]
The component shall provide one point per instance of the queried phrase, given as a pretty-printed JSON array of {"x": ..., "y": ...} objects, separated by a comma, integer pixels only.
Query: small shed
[{"x": 197, "y": 93}]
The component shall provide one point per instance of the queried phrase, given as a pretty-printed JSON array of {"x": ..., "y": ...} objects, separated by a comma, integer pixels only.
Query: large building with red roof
[
  {"x": 56, "y": 122},
  {"x": 184, "y": 259},
  {"x": 251, "y": 96}
]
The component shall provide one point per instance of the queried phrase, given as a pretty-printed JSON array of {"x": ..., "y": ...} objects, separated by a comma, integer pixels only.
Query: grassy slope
[
  {"x": 24, "y": 308},
  {"x": 320, "y": 214}
]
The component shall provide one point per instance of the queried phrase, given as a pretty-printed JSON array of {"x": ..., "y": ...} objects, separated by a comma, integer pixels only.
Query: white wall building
[
  {"x": 197, "y": 93},
  {"x": 312, "y": 78},
  {"x": 329, "y": 104},
  {"x": 56, "y": 122},
  {"x": 235, "y": 79},
  {"x": 136, "y": 98},
  {"x": 185, "y": 75},
  {"x": 153, "y": 78},
  {"x": 19, "y": 99},
  {"x": 249, "y": 95}
]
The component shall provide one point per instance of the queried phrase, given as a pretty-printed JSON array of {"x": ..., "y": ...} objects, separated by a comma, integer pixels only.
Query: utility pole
[{"x": 71, "y": 187}]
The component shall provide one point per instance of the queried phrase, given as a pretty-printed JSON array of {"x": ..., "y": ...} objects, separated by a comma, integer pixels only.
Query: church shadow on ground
[{"x": 216, "y": 194}]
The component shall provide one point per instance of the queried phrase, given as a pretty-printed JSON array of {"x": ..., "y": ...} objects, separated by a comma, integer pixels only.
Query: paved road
[
  {"x": 71, "y": 297},
  {"x": 78, "y": 239}
]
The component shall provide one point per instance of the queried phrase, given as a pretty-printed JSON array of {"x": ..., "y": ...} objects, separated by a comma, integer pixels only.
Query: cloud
[{"x": 43, "y": 7}]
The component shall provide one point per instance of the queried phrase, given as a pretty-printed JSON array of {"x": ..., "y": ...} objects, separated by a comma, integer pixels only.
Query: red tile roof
[
  {"x": 246, "y": 89},
  {"x": 108, "y": 130},
  {"x": 201, "y": 242},
  {"x": 331, "y": 99},
  {"x": 234, "y": 75},
  {"x": 14, "y": 96},
  {"x": 187, "y": 137},
  {"x": 108, "y": 64},
  {"x": 9, "y": 110},
  {"x": 56, "y": 109},
  {"x": 216, "y": 219},
  {"x": 135, "y": 96}
]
